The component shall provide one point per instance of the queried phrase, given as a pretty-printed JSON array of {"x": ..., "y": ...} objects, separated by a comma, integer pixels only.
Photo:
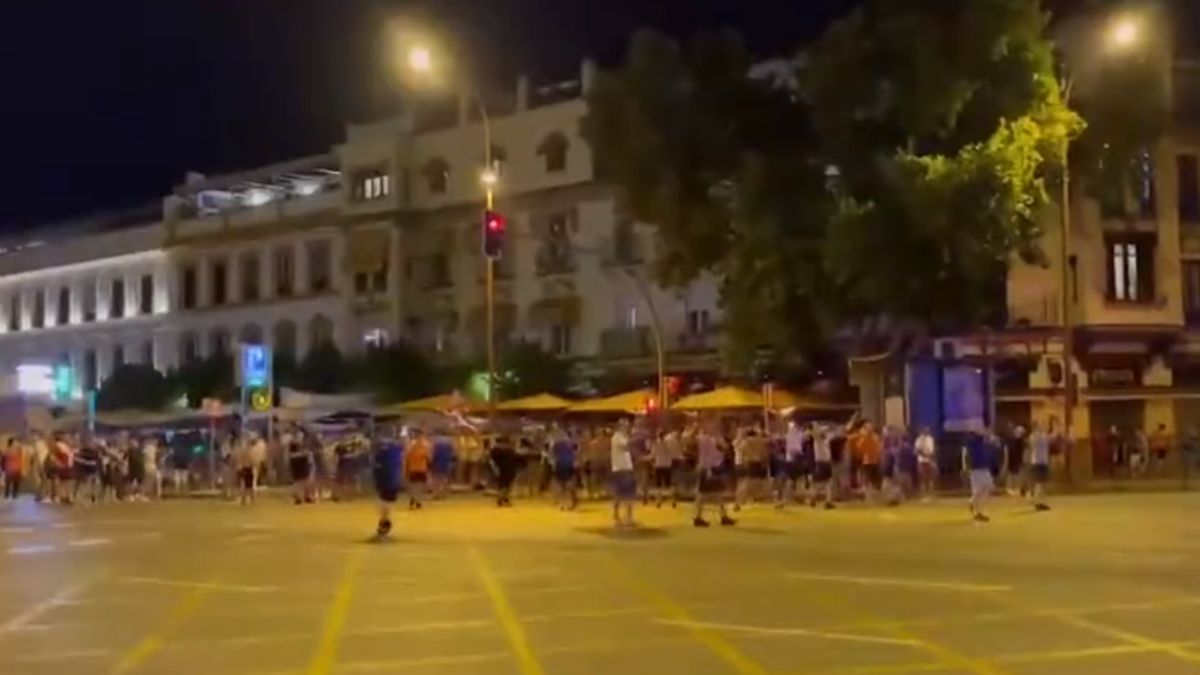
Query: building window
[
  {"x": 116, "y": 302},
  {"x": 14, "y": 312},
  {"x": 188, "y": 290},
  {"x": 1191, "y": 290},
  {"x": 1188, "y": 168},
  {"x": 319, "y": 266},
  {"x": 89, "y": 301},
  {"x": 697, "y": 321},
  {"x": 361, "y": 283},
  {"x": 251, "y": 334},
  {"x": 284, "y": 339},
  {"x": 189, "y": 347},
  {"x": 218, "y": 342},
  {"x": 560, "y": 339},
  {"x": 379, "y": 280},
  {"x": 437, "y": 175},
  {"x": 439, "y": 271},
  {"x": 90, "y": 371},
  {"x": 375, "y": 338},
  {"x": 556, "y": 255},
  {"x": 320, "y": 332},
  {"x": 220, "y": 282},
  {"x": 118, "y": 357},
  {"x": 148, "y": 353},
  {"x": 249, "y": 269},
  {"x": 39, "y": 308},
  {"x": 1131, "y": 269},
  {"x": 284, "y": 268},
  {"x": 146, "y": 294},
  {"x": 1146, "y": 191},
  {"x": 370, "y": 184},
  {"x": 63, "y": 310},
  {"x": 553, "y": 150}
]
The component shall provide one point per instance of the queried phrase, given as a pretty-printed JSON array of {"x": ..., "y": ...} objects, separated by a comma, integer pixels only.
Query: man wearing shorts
[
  {"x": 385, "y": 470},
  {"x": 244, "y": 468},
  {"x": 711, "y": 484},
  {"x": 870, "y": 454},
  {"x": 624, "y": 482},
  {"x": 416, "y": 468},
  {"x": 823, "y": 440},
  {"x": 1039, "y": 466},
  {"x": 562, "y": 454},
  {"x": 664, "y": 453},
  {"x": 977, "y": 464}
]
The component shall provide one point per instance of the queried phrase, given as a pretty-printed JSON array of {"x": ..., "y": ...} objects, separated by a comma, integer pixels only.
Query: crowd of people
[{"x": 719, "y": 463}]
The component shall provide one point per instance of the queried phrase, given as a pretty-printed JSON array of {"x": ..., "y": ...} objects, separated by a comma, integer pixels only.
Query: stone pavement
[{"x": 1103, "y": 584}]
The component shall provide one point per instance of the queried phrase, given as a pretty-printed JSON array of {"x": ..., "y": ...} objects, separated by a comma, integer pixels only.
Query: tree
[
  {"x": 526, "y": 369},
  {"x": 396, "y": 373},
  {"x": 324, "y": 370},
  {"x": 896, "y": 170},
  {"x": 134, "y": 387},
  {"x": 199, "y": 379}
]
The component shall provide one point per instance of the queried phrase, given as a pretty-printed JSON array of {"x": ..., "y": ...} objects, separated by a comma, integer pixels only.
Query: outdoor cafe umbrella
[
  {"x": 724, "y": 398},
  {"x": 441, "y": 403},
  {"x": 631, "y": 402},
  {"x": 536, "y": 403}
]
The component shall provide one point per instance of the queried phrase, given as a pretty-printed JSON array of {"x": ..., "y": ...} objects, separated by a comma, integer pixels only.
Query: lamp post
[
  {"x": 419, "y": 59},
  {"x": 1122, "y": 35}
]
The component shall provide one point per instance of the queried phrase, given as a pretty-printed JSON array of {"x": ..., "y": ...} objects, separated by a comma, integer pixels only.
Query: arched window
[
  {"x": 251, "y": 334},
  {"x": 284, "y": 339},
  {"x": 553, "y": 150},
  {"x": 320, "y": 331},
  {"x": 437, "y": 175}
]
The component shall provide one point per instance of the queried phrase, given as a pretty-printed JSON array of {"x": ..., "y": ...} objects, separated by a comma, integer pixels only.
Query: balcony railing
[
  {"x": 626, "y": 342},
  {"x": 703, "y": 341}
]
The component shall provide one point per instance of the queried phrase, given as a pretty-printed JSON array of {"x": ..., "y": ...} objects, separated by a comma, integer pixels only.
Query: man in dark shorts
[
  {"x": 300, "y": 467},
  {"x": 562, "y": 452},
  {"x": 386, "y": 465},
  {"x": 504, "y": 460},
  {"x": 823, "y": 439},
  {"x": 710, "y": 484},
  {"x": 87, "y": 472}
]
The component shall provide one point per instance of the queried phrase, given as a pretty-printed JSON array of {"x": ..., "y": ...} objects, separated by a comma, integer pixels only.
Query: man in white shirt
[
  {"x": 665, "y": 452},
  {"x": 38, "y": 467},
  {"x": 926, "y": 451},
  {"x": 793, "y": 471},
  {"x": 623, "y": 480},
  {"x": 822, "y": 466},
  {"x": 150, "y": 462}
]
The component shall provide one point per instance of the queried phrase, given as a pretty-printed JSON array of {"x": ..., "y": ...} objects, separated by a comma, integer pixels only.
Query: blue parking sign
[{"x": 256, "y": 366}]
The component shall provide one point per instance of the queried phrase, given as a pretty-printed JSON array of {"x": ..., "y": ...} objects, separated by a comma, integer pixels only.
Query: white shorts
[{"x": 981, "y": 482}]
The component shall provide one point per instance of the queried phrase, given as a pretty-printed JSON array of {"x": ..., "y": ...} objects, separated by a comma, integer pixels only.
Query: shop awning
[
  {"x": 561, "y": 311},
  {"x": 366, "y": 250},
  {"x": 783, "y": 400},
  {"x": 725, "y": 398},
  {"x": 632, "y": 402},
  {"x": 537, "y": 403}
]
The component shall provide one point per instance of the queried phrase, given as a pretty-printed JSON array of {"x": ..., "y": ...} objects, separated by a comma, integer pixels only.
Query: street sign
[
  {"x": 256, "y": 366},
  {"x": 260, "y": 399}
]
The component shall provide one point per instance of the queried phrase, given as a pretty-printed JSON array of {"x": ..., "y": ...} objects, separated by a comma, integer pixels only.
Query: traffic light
[{"x": 494, "y": 227}]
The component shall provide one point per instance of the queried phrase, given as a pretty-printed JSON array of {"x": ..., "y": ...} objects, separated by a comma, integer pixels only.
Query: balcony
[
  {"x": 625, "y": 343},
  {"x": 553, "y": 259},
  {"x": 703, "y": 341}
]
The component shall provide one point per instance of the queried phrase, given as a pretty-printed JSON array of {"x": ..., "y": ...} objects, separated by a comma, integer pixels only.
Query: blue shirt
[
  {"x": 978, "y": 453},
  {"x": 443, "y": 452},
  {"x": 389, "y": 458},
  {"x": 564, "y": 453}
]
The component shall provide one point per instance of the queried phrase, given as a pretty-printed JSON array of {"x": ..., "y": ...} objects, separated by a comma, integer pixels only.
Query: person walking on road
[
  {"x": 416, "y": 469},
  {"x": 977, "y": 464},
  {"x": 563, "y": 451},
  {"x": 624, "y": 482},
  {"x": 386, "y": 460},
  {"x": 300, "y": 466},
  {"x": 503, "y": 458},
  {"x": 16, "y": 461},
  {"x": 665, "y": 454},
  {"x": 926, "y": 450},
  {"x": 710, "y": 483},
  {"x": 244, "y": 468},
  {"x": 1039, "y": 466}
]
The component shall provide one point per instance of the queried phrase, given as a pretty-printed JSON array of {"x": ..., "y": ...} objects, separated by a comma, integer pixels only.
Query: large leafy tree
[
  {"x": 212, "y": 377},
  {"x": 134, "y": 387},
  {"x": 893, "y": 169},
  {"x": 396, "y": 373}
]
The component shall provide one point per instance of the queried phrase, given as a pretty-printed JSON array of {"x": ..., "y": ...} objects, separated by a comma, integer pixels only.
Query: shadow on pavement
[{"x": 625, "y": 534}]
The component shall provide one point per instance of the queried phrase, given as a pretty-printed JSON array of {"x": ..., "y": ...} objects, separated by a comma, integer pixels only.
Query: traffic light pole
[{"x": 490, "y": 264}]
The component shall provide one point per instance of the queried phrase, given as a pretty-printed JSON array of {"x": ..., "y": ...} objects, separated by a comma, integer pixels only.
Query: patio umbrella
[
  {"x": 630, "y": 402},
  {"x": 441, "y": 403},
  {"x": 536, "y": 403},
  {"x": 724, "y": 398}
]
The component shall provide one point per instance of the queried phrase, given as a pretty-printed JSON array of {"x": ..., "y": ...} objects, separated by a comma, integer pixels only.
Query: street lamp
[
  {"x": 421, "y": 61},
  {"x": 1123, "y": 34}
]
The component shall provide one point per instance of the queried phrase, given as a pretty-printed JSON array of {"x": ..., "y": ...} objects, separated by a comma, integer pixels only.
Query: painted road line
[
  {"x": 184, "y": 609},
  {"x": 423, "y": 663},
  {"x": 794, "y": 632},
  {"x": 518, "y": 642},
  {"x": 726, "y": 650},
  {"x": 325, "y": 655},
  {"x": 588, "y": 614},
  {"x": 89, "y": 543},
  {"x": 175, "y": 583},
  {"x": 933, "y": 585},
  {"x": 60, "y": 655},
  {"x": 16, "y": 530},
  {"x": 32, "y": 613},
  {"x": 423, "y": 627},
  {"x": 1151, "y": 644}
]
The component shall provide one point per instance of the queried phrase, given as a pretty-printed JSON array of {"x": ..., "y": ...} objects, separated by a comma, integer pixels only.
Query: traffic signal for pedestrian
[{"x": 494, "y": 227}]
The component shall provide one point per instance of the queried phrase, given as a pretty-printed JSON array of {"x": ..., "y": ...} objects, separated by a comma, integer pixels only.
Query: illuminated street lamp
[
  {"x": 420, "y": 59},
  {"x": 1122, "y": 35}
]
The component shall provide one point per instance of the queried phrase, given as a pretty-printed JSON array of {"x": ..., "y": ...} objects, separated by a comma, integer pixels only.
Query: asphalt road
[{"x": 1103, "y": 584}]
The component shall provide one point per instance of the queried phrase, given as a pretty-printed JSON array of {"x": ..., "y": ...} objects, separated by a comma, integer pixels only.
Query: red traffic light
[{"x": 494, "y": 225}]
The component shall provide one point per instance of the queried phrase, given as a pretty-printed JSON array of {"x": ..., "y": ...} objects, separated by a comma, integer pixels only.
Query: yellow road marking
[
  {"x": 1150, "y": 644},
  {"x": 150, "y": 645},
  {"x": 702, "y": 632},
  {"x": 325, "y": 655},
  {"x": 513, "y": 630}
]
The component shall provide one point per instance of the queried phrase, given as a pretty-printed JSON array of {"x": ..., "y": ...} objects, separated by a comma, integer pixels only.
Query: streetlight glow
[
  {"x": 1124, "y": 33},
  {"x": 420, "y": 59},
  {"x": 489, "y": 177}
]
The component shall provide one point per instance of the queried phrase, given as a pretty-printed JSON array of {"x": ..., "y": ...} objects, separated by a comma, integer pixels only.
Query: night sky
[{"x": 109, "y": 102}]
